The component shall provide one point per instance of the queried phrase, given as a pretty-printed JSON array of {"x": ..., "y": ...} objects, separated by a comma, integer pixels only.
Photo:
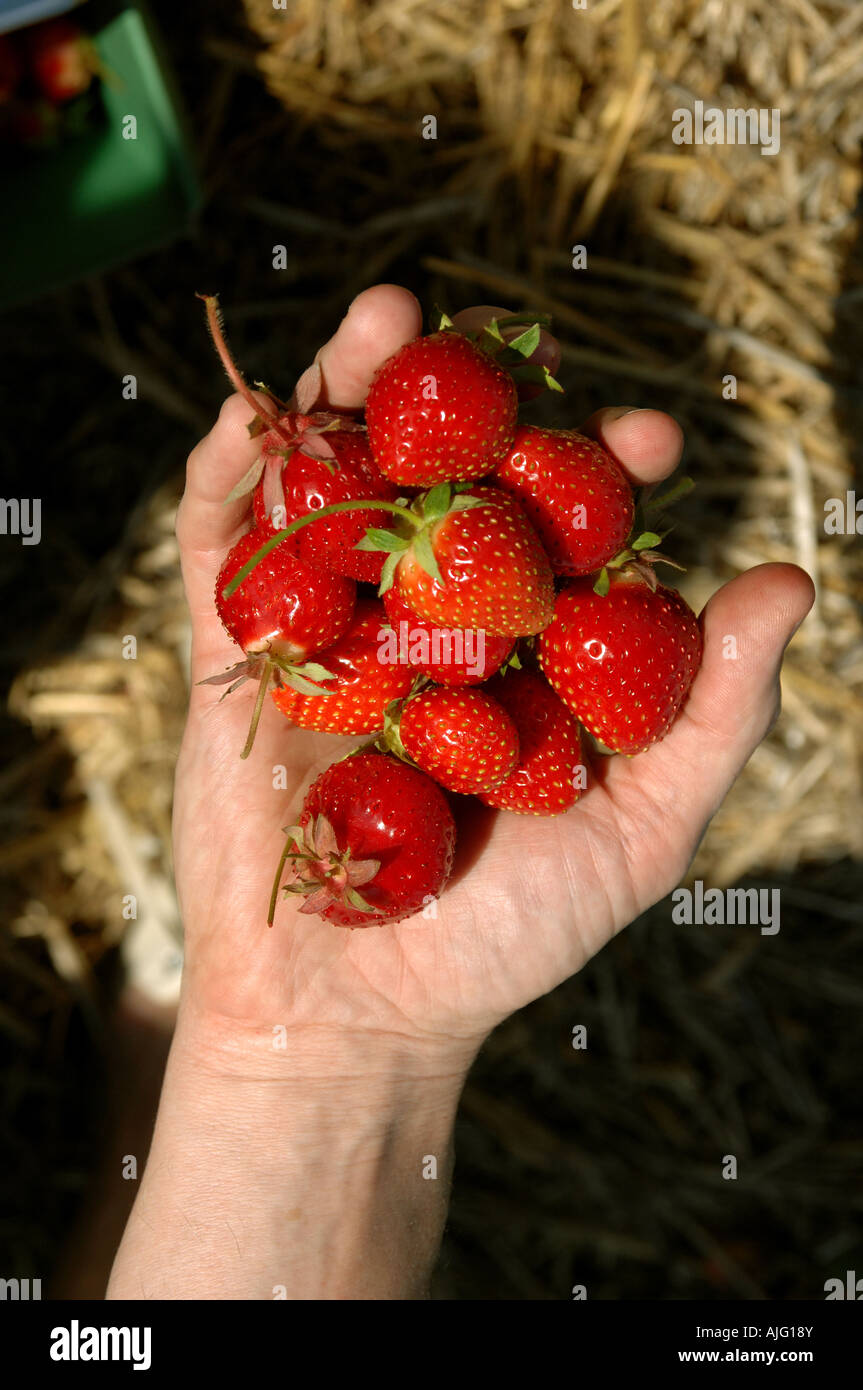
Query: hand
[
  {"x": 288, "y": 1165},
  {"x": 532, "y": 899}
]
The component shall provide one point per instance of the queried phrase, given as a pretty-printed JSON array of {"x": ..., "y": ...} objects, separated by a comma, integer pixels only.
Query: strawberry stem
[
  {"x": 681, "y": 488},
  {"x": 263, "y": 683},
  {"x": 237, "y": 380},
  {"x": 279, "y": 536},
  {"x": 274, "y": 895}
]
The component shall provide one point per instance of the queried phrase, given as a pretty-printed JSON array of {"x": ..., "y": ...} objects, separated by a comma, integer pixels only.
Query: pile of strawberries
[{"x": 514, "y": 605}]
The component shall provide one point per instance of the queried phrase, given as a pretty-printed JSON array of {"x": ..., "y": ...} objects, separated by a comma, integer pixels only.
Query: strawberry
[
  {"x": 374, "y": 843},
  {"x": 462, "y": 738},
  {"x": 362, "y": 683},
  {"x": 573, "y": 493},
  {"x": 493, "y": 570},
  {"x": 440, "y": 409},
  {"x": 286, "y": 606},
  {"x": 623, "y": 661},
  {"x": 62, "y": 59},
  {"x": 549, "y": 776},
  {"x": 307, "y": 483},
  {"x": 469, "y": 560},
  {"x": 282, "y": 612},
  {"x": 448, "y": 655}
]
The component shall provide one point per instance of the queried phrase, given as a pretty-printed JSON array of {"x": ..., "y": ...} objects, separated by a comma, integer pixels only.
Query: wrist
[
  {"x": 327, "y": 1152},
  {"x": 353, "y": 1064}
]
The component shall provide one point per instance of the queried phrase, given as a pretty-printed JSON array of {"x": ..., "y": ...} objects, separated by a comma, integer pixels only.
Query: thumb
[{"x": 734, "y": 700}]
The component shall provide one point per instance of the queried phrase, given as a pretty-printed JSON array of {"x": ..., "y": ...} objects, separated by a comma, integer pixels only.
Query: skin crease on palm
[{"x": 532, "y": 899}]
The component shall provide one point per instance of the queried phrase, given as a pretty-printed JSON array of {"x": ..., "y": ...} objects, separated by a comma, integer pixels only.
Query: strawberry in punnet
[
  {"x": 362, "y": 684},
  {"x": 374, "y": 843},
  {"x": 462, "y": 738},
  {"x": 573, "y": 493},
  {"x": 440, "y": 409},
  {"x": 62, "y": 59},
  {"x": 550, "y": 774},
  {"x": 281, "y": 613},
  {"x": 309, "y": 483},
  {"x": 623, "y": 661},
  {"x": 447, "y": 655}
]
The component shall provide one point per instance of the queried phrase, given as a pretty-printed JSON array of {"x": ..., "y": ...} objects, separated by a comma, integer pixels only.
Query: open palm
[{"x": 532, "y": 898}]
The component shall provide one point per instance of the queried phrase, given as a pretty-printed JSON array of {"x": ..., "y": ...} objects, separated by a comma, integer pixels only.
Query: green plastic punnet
[{"x": 101, "y": 198}]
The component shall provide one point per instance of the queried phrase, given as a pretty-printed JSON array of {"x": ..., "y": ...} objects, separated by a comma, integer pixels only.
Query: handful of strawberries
[{"x": 516, "y": 605}]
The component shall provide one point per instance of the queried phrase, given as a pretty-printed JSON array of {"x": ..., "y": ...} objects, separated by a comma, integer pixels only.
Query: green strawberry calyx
[
  {"x": 415, "y": 531},
  {"x": 513, "y": 661},
  {"x": 389, "y": 740},
  {"x": 512, "y": 353},
  {"x": 638, "y": 557}
]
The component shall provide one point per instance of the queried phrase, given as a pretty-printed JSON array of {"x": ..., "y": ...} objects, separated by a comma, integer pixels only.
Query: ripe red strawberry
[
  {"x": 286, "y": 606},
  {"x": 62, "y": 59},
  {"x": 440, "y": 409},
  {"x": 363, "y": 685},
  {"x": 307, "y": 483},
  {"x": 573, "y": 493},
  {"x": 448, "y": 655},
  {"x": 375, "y": 843},
  {"x": 550, "y": 774},
  {"x": 623, "y": 662},
  {"x": 462, "y": 738},
  {"x": 494, "y": 573},
  {"x": 284, "y": 611}
]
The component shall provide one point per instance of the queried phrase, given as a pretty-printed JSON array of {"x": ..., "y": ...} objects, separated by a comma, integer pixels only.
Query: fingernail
[{"x": 617, "y": 412}]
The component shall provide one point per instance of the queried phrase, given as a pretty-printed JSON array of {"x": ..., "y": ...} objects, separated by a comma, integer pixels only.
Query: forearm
[{"x": 317, "y": 1171}]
